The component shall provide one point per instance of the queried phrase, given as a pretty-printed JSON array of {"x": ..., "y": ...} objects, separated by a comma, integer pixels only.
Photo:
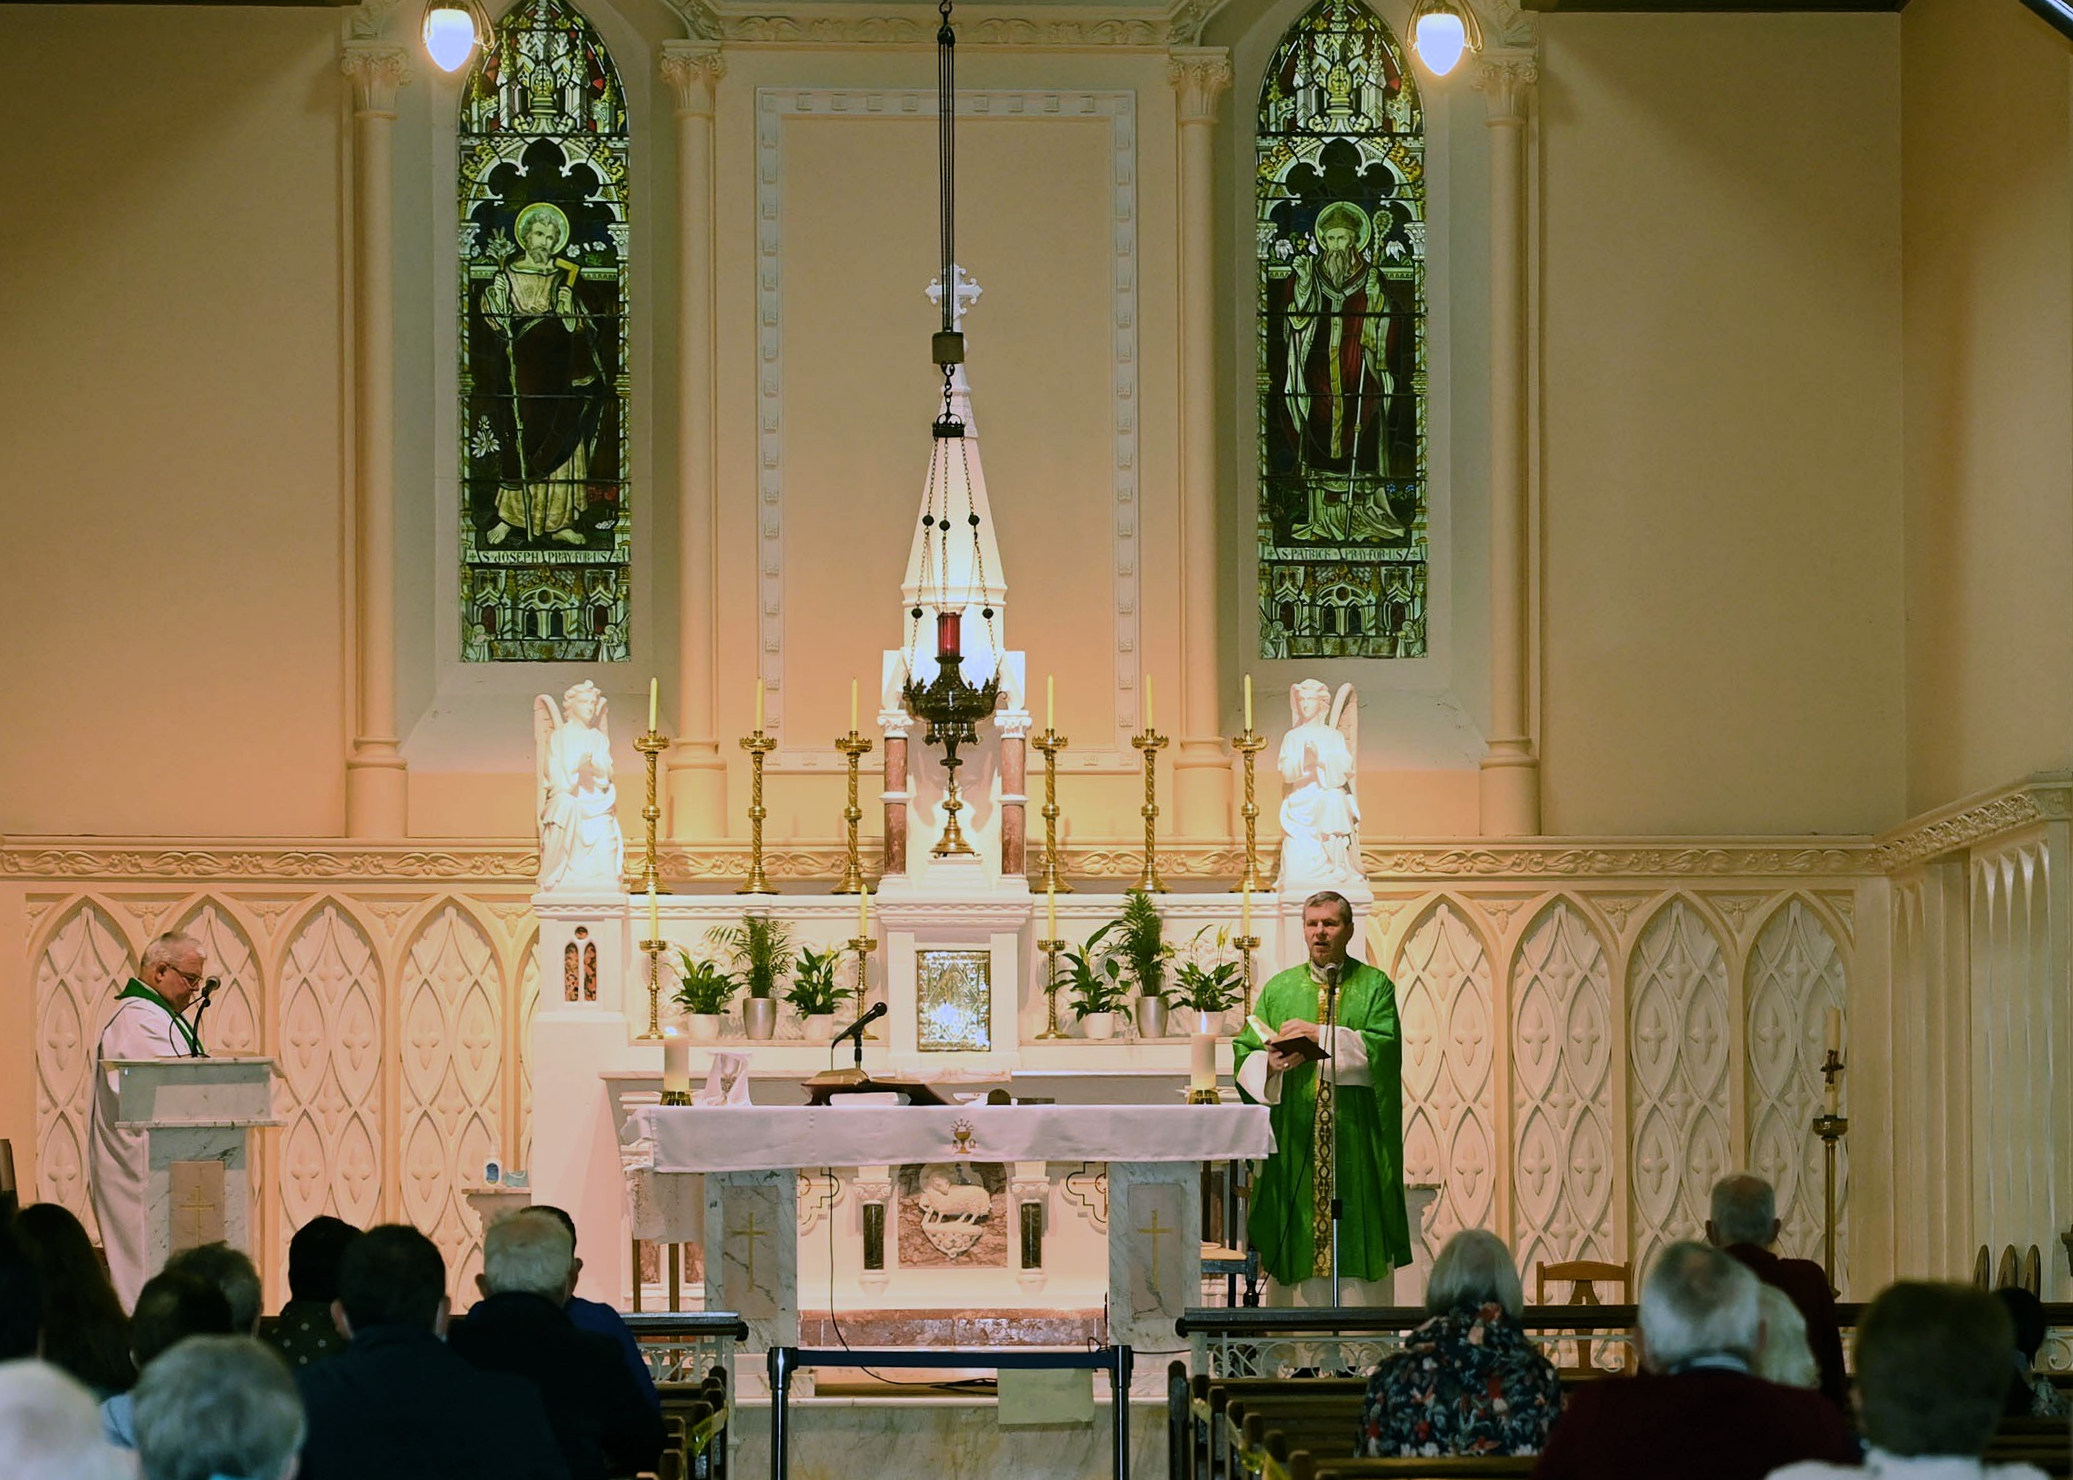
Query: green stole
[{"x": 137, "y": 991}]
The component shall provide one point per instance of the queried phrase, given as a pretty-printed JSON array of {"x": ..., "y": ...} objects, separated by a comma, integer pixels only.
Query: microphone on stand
[
  {"x": 856, "y": 1029},
  {"x": 209, "y": 986}
]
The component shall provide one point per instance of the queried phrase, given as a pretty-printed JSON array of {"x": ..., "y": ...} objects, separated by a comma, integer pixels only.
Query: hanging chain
[{"x": 946, "y": 157}]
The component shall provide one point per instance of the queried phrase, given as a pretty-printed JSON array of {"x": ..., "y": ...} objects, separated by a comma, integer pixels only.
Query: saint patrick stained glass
[
  {"x": 1341, "y": 251},
  {"x": 545, "y": 529}
]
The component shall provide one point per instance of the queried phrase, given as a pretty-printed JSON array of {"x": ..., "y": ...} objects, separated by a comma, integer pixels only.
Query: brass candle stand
[
  {"x": 1052, "y": 878},
  {"x": 1245, "y": 946},
  {"x": 650, "y": 744},
  {"x": 863, "y": 946},
  {"x": 1051, "y": 948},
  {"x": 654, "y": 948},
  {"x": 1150, "y": 743},
  {"x": 855, "y": 747},
  {"x": 758, "y": 745},
  {"x": 1831, "y": 1128},
  {"x": 1249, "y": 744}
]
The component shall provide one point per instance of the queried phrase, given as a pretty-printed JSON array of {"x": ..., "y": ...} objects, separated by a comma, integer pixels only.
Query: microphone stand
[
  {"x": 1331, "y": 1024},
  {"x": 208, "y": 996}
]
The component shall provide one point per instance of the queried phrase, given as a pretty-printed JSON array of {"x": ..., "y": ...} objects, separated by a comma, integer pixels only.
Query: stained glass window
[
  {"x": 1341, "y": 242},
  {"x": 545, "y": 529}
]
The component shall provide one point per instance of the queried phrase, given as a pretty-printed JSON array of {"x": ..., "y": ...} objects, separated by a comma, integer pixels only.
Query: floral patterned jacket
[{"x": 1466, "y": 1382}]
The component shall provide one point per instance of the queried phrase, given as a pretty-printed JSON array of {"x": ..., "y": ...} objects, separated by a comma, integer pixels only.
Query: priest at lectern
[
  {"x": 1330, "y": 1054},
  {"x": 147, "y": 1025}
]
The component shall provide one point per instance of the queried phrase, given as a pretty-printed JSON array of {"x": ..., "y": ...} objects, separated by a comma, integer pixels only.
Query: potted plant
[
  {"x": 1207, "y": 981},
  {"x": 761, "y": 950},
  {"x": 703, "y": 991},
  {"x": 813, "y": 993},
  {"x": 1141, "y": 943},
  {"x": 1095, "y": 985}
]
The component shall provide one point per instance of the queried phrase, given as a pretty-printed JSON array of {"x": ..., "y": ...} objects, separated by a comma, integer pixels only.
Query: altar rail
[{"x": 684, "y": 1346}]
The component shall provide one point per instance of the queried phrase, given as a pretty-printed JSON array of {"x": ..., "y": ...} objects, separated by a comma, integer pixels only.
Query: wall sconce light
[
  {"x": 1441, "y": 31},
  {"x": 452, "y": 31}
]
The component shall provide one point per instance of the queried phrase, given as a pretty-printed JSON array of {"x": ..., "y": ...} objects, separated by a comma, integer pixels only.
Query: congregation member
[
  {"x": 1745, "y": 1223},
  {"x": 1363, "y": 1075},
  {"x": 1467, "y": 1381},
  {"x": 2030, "y": 1393},
  {"x": 1784, "y": 1356},
  {"x": 21, "y": 1301},
  {"x": 172, "y": 1307},
  {"x": 1932, "y": 1379},
  {"x": 84, "y": 1328},
  {"x": 599, "y": 1416},
  {"x": 49, "y": 1430},
  {"x": 398, "y": 1403},
  {"x": 1697, "y": 1411},
  {"x": 218, "y": 1408},
  {"x": 149, "y": 1022},
  {"x": 595, "y": 1315},
  {"x": 304, "y": 1332},
  {"x": 229, "y": 1270}
]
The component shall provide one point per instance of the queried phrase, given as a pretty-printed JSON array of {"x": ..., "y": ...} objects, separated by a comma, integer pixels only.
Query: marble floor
[{"x": 944, "y": 1438}]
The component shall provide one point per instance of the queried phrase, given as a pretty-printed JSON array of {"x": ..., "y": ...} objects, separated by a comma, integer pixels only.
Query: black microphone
[
  {"x": 209, "y": 986},
  {"x": 856, "y": 1029}
]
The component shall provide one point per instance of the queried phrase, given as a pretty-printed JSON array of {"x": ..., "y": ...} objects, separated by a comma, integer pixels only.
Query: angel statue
[
  {"x": 580, "y": 843},
  {"x": 1320, "y": 816}
]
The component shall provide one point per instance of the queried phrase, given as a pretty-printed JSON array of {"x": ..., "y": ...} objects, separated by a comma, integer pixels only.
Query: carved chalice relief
[{"x": 953, "y": 1212}]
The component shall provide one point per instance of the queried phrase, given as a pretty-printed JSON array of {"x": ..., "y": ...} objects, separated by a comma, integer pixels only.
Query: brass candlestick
[
  {"x": 1150, "y": 743},
  {"x": 1052, "y": 879},
  {"x": 864, "y": 945},
  {"x": 855, "y": 747},
  {"x": 654, "y": 948},
  {"x": 1830, "y": 1127},
  {"x": 1246, "y": 945},
  {"x": 758, "y": 745},
  {"x": 650, "y": 744},
  {"x": 1249, "y": 744},
  {"x": 1051, "y": 948}
]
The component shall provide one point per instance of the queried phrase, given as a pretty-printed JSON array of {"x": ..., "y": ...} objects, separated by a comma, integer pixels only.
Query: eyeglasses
[{"x": 192, "y": 978}]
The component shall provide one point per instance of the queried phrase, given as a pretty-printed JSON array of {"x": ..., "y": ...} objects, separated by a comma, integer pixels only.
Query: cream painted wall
[
  {"x": 171, "y": 372},
  {"x": 1988, "y": 237},
  {"x": 1720, "y": 454}
]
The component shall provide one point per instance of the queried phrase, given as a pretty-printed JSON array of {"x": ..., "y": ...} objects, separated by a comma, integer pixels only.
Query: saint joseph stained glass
[
  {"x": 1341, "y": 242},
  {"x": 545, "y": 530}
]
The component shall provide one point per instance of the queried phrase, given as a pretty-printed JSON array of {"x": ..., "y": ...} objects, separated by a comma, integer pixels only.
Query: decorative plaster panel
[
  {"x": 1444, "y": 1006},
  {"x": 1678, "y": 1050},
  {"x": 77, "y": 976}
]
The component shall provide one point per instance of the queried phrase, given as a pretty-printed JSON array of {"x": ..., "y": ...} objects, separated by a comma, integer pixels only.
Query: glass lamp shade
[
  {"x": 449, "y": 36},
  {"x": 1440, "y": 39}
]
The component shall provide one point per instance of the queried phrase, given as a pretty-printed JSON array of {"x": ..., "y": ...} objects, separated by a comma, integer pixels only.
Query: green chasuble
[{"x": 1375, "y": 1235}]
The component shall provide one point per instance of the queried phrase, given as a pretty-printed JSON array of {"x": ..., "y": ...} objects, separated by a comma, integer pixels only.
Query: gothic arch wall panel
[
  {"x": 1564, "y": 1165},
  {"x": 1443, "y": 994},
  {"x": 78, "y": 972},
  {"x": 331, "y": 1066}
]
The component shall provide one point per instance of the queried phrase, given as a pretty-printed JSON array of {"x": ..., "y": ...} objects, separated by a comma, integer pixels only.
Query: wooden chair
[{"x": 1583, "y": 1276}]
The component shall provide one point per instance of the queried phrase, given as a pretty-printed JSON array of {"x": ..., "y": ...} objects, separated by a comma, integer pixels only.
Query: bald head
[{"x": 1745, "y": 1211}]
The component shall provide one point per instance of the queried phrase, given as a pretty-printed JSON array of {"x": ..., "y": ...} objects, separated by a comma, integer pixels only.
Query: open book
[{"x": 1306, "y": 1049}]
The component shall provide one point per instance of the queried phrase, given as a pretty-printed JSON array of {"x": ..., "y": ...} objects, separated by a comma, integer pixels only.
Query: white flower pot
[
  {"x": 705, "y": 1026},
  {"x": 759, "y": 1016},
  {"x": 1099, "y": 1024},
  {"x": 820, "y": 1026}
]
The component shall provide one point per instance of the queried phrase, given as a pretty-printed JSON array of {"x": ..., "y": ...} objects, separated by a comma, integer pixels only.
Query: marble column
[
  {"x": 892, "y": 723},
  {"x": 1013, "y": 727},
  {"x": 1510, "y": 781},
  {"x": 1202, "y": 766},
  {"x": 696, "y": 770},
  {"x": 377, "y": 801}
]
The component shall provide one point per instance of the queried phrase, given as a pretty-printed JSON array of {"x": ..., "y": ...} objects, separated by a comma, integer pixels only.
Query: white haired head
[
  {"x": 1475, "y": 1265},
  {"x": 50, "y": 1427},
  {"x": 528, "y": 1253},
  {"x": 1699, "y": 1302}
]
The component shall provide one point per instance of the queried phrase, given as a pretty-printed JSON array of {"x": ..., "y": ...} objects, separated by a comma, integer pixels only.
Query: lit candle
[
  {"x": 1248, "y": 703},
  {"x": 947, "y": 635},
  {"x": 1050, "y": 909},
  {"x": 1148, "y": 704},
  {"x": 1245, "y": 905},
  {"x": 759, "y": 706},
  {"x": 654, "y": 691},
  {"x": 864, "y": 912},
  {"x": 1202, "y": 1061},
  {"x": 1835, "y": 1030},
  {"x": 852, "y": 706},
  {"x": 654, "y": 920},
  {"x": 676, "y": 1063},
  {"x": 1051, "y": 701}
]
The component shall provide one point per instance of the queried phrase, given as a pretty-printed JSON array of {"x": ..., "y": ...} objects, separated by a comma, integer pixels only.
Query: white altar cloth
[{"x": 728, "y": 1138}]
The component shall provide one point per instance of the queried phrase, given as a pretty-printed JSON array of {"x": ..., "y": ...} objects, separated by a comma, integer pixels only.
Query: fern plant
[
  {"x": 1141, "y": 943},
  {"x": 760, "y": 948},
  {"x": 813, "y": 990}
]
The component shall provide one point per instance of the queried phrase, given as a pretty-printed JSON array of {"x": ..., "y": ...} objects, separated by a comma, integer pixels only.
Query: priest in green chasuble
[{"x": 1359, "y": 1090}]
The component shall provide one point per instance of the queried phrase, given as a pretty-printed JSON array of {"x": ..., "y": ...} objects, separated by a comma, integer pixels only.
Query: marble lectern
[{"x": 198, "y": 1116}]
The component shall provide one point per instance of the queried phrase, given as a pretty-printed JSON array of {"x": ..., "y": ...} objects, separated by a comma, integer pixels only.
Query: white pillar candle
[
  {"x": 852, "y": 706},
  {"x": 1050, "y": 910},
  {"x": 1051, "y": 701},
  {"x": 654, "y": 919},
  {"x": 759, "y": 706},
  {"x": 654, "y": 695},
  {"x": 676, "y": 1063},
  {"x": 863, "y": 911},
  {"x": 1245, "y": 905},
  {"x": 1202, "y": 1061},
  {"x": 1148, "y": 704},
  {"x": 1248, "y": 703}
]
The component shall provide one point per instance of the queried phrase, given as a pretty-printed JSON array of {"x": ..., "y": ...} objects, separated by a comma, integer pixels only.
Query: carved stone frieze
[{"x": 2045, "y": 797}]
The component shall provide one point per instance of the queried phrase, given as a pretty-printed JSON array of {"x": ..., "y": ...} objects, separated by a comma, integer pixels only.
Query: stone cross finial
[{"x": 967, "y": 294}]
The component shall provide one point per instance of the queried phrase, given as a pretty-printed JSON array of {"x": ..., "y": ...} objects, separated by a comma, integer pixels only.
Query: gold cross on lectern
[
  {"x": 751, "y": 1232},
  {"x": 196, "y": 1189},
  {"x": 1155, "y": 1230}
]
